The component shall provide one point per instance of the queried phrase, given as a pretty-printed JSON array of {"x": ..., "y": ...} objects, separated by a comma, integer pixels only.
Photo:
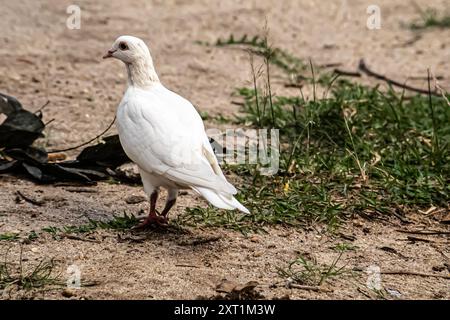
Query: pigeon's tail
[{"x": 220, "y": 200}]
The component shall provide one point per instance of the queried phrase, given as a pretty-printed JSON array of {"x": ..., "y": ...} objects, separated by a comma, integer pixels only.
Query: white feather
[{"x": 165, "y": 136}]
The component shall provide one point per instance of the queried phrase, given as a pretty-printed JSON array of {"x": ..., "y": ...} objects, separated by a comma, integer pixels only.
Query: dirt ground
[{"x": 41, "y": 59}]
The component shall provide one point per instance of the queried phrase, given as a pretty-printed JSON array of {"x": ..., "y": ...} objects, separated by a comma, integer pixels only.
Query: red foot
[{"x": 152, "y": 220}]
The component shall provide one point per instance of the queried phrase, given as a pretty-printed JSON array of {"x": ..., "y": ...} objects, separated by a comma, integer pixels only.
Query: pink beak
[{"x": 109, "y": 54}]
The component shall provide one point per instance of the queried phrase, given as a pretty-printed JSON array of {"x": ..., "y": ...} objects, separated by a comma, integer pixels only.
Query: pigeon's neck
[{"x": 142, "y": 74}]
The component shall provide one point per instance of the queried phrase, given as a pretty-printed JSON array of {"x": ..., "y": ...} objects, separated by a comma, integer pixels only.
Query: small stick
[
  {"x": 347, "y": 73},
  {"x": 425, "y": 78},
  {"x": 48, "y": 122},
  {"x": 43, "y": 107},
  {"x": 81, "y": 190},
  {"x": 196, "y": 242},
  {"x": 87, "y": 142},
  {"x": 364, "y": 293},
  {"x": 30, "y": 200},
  {"x": 90, "y": 283},
  {"x": 330, "y": 65},
  {"x": 186, "y": 265},
  {"x": 309, "y": 288},
  {"x": 293, "y": 85},
  {"x": 400, "y": 217},
  {"x": 419, "y": 274},
  {"x": 415, "y": 239},
  {"x": 424, "y": 232},
  {"x": 363, "y": 68},
  {"x": 73, "y": 237},
  {"x": 238, "y": 103}
]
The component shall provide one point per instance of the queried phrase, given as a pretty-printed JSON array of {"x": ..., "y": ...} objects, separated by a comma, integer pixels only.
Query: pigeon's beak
[{"x": 109, "y": 54}]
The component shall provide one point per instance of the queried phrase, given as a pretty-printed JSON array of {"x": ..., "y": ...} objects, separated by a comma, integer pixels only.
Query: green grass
[
  {"x": 359, "y": 151},
  {"x": 309, "y": 272},
  {"x": 32, "y": 236},
  {"x": 259, "y": 46},
  {"x": 340, "y": 247},
  {"x": 9, "y": 236},
  {"x": 220, "y": 118},
  {"x": 124, "y": 222},
  {"x": 28, "y": 276},
  {"x": 431, "y": 19}
]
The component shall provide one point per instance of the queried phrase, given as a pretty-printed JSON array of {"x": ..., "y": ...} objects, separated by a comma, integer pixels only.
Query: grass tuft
[
  {"x": 309, "y": 272},
  {"x": 259, "y": 46},
  {"x": 358, "y": 150},
  {"x": 23, "y": 276},
  {"x": 9, "y": 236},
  {"x": 124, "y": 222},
  {"x": 430, "y": 18}
]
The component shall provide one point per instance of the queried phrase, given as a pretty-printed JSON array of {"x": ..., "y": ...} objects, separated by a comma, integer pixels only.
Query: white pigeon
[{"x": 164, "y": 135}]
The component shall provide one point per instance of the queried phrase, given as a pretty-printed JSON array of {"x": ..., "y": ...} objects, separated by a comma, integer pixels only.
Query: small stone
[
  {"x": 394, "y": 293},
  {"x": 67, "y": 293},
  {"x": 133, "y": 199}
]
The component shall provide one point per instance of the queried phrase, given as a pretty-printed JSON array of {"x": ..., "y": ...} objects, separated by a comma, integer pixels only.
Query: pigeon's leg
[
  {"x": 171, "y": 199},
  {"x": 152, "y": 217}
]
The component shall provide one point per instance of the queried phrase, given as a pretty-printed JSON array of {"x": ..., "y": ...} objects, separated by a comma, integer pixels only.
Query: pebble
[
  {"x": 67, "y": 293},
  {"x": 133, "y": 199}
]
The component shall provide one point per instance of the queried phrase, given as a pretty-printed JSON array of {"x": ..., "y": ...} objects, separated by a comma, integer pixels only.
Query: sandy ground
[{"x": 41, "y": 59}]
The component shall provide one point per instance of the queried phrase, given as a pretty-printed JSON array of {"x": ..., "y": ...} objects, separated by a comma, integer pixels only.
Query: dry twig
[
  {"x": 413, "y": 273},
  {"x": 363, "y": 68},
  {"x": 30, "y": 200}
]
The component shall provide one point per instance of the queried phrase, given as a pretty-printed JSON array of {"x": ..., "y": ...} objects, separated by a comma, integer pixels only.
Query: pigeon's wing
[
  {"x": 204, "y": 172},
  {"x": 164, "y": 134}
]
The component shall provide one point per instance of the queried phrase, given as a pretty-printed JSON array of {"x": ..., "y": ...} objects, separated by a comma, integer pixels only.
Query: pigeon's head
[{"x": 128, "y": 49}]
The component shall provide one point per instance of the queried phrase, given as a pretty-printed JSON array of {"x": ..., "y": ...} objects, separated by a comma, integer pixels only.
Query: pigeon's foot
[{"x": 151, "y": 221}]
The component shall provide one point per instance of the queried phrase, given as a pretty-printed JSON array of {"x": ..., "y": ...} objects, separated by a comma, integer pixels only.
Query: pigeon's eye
[{"x": 123, "y": 46}]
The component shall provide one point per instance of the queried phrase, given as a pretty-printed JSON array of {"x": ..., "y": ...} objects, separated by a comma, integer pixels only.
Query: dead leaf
[
  {"x": 53, "y": 157},
  {"x": 226, "y": 286},
  {"x": 236, "y": 291},
  {"x": 246, "y": 287},
  {"x": 21, "y": 127}
]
